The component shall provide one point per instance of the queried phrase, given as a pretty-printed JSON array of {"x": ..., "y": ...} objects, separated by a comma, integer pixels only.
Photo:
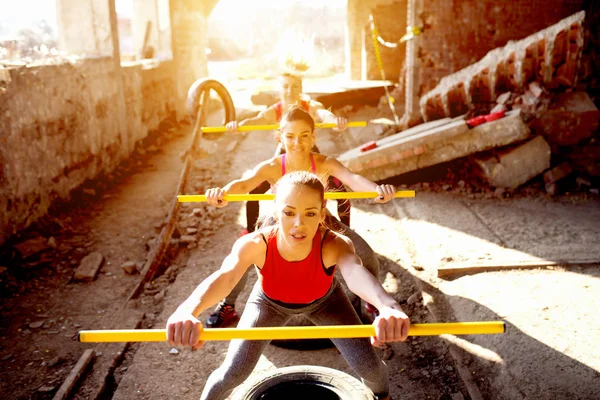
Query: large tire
[
  {"x": 370, "y": 261},
  {"x": 193, "y": 102},
  {"x": 305, "y": 382}
]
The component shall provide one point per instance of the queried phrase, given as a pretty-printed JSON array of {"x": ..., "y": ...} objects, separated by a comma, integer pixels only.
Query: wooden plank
[
  {"x": 65, "y": 389},
  {"x": 461, "y": 270},
  {"x": 109, "y": 356}
]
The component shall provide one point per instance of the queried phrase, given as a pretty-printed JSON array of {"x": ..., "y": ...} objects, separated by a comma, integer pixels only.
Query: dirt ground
[{"x": 546, "y": 309}]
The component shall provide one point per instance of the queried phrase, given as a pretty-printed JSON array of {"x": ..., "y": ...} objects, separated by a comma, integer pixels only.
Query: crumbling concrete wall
[
  {"x": 458, "y": 33},
  {"x": 57, "y": 129}
]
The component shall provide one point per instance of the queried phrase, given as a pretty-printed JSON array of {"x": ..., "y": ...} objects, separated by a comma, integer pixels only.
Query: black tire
[
  {"x": 305, "y": 381},
  {"x": 193, "y": 102},
  {"x": 371, "y": 262}
]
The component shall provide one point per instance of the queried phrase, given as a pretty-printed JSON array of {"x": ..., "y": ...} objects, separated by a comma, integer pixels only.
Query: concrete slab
[
  {"x": 517, "y": 166},
  {"x": 439, "y": 144}
]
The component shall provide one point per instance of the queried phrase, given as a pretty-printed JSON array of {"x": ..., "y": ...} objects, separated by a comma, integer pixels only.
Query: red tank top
[
  {"x": 299, "y": 282},
  {"x": 305, "y": 105}
]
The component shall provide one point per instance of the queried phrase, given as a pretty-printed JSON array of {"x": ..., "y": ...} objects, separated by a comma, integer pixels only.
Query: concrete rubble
[
  {"x": 418, "y": 148},
  {"x": 550, "y": 57},
  {"x": 529, "y": 84},
  {"x": 517, "y": 166}
]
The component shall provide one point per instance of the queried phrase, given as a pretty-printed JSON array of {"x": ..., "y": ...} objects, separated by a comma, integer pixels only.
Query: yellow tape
[
  {"x": 200, "y": 198},
  {"x": 294, "y": 332},
  {"x": 248, "y": 128}
]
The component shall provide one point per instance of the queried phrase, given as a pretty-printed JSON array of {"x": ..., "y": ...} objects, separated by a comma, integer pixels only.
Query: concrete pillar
[
  {"x": 412, "y": 107},
  {"x": 144, "y": 11},
  {"x": 84, "y": 27},
  {"x": 127, "y": 144},
  {"x": 189, "y": 40},
  {"x": 357, "y": 17}
]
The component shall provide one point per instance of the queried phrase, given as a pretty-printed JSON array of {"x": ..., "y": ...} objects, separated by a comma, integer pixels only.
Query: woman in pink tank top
[
  {"x": 295, "y": 258},
  {"x": 297, "y": 135}
]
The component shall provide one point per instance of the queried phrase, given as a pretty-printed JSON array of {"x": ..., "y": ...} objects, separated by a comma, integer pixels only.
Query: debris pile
[{"x": 518, "y": 114}]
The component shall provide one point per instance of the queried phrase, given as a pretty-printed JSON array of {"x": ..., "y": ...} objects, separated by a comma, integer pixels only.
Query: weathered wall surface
[
  {"x": 458, "y": 33},
  {"x": 390, "y": 21},
  {"x": 58, "y": 129}
]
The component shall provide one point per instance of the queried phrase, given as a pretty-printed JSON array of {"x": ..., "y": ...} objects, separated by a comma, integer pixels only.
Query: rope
[
  {"x": 390, "y": 99},
  {"x": 411, "y": 32}
]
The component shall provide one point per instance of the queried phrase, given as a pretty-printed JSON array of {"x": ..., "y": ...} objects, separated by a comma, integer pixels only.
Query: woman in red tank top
[
  {"x": 297, "y": 136},
  {"x": 296, "y": 258}
]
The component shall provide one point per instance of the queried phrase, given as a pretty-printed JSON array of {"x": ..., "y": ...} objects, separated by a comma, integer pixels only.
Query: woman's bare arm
[{"x": 183, "y": 327}]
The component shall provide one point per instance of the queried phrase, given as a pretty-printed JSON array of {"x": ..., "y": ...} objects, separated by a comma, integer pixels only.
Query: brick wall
[
  {"x": 458, "y": 33},
  {"x": 58, "y": 128}
]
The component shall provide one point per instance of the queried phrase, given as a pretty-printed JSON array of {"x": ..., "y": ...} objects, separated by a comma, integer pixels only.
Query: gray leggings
[{"x": 332, "y": 309}]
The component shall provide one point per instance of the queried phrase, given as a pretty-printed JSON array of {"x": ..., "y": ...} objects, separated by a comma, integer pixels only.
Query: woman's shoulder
[
  {"x": 334, "y": 240},
  {"x": 250, "y": 246}
]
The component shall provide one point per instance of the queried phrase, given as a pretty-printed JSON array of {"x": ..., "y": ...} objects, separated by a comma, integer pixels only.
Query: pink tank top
[{"x": 312, "y": 164}]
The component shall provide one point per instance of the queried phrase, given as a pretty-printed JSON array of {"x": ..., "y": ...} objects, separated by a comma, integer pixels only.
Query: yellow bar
[
  {"x": 248, "y": 128},
  {"x": 198, "y": 198},
  {"x": 294, "y": 332}
]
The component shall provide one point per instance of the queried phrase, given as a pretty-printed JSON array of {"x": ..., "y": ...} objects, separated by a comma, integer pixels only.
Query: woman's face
[
  {"x": 297, "y": 137},
  {"x": 290, "y": 89},
  {"x": 299, "y": 210}
]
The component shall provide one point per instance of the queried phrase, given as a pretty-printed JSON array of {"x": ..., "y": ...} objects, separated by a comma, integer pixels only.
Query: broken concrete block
[
  {"x": 389, "y": 157},
  {"x": 517, "y": 166},
  {"x": 130, "y": 267},
  {"x": 89, "y": 267},
  {"x": 32, "y": 247},
  {"x": 557, "y": 173},
  {"x": 433, "y": 146},
  {"x": 570, "y": 118}
]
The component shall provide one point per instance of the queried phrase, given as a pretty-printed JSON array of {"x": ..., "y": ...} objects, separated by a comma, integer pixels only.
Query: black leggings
[{"x": 333, "y": 184}]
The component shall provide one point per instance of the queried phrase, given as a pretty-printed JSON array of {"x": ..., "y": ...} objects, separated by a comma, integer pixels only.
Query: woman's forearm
[
  {"x": 214, "y": 288},
  {"x": 364, "y": 285},
  {"x": 237, "y": 187}
]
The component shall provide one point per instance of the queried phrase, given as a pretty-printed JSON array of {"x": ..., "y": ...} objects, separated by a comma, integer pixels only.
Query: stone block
[
  {"x": 438, "y": 144},
  {"x": 557, "y": 173},
  {"x": 517, "y": 166},
  {"x": 89, "y": 267},
  {"x": 570, "y": 118}
]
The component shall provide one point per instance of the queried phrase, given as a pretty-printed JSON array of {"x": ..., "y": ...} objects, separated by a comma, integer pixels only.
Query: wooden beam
[
  {"x": 461, "y": 270},
  {"x": 65, "y": 389}
]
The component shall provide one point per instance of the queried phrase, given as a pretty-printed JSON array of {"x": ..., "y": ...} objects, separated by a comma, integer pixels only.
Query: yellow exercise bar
[
  {"x": 198, "y": 198},
  {"x": 294, "y": 332},
  {"x": 248, "y": 128}
]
